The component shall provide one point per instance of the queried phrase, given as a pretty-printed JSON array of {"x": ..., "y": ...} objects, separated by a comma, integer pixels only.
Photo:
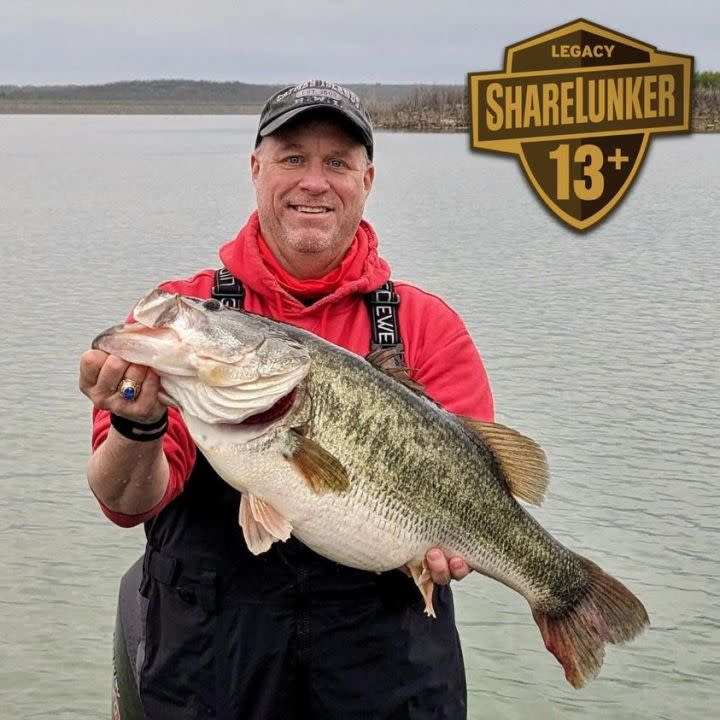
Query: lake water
[{"x": 603, "y": 347}]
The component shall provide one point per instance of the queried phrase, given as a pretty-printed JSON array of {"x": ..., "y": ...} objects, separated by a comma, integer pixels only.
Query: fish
[{"x": 351, "y": 458}]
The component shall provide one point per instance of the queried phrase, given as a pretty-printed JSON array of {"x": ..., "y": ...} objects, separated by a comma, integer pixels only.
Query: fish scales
[{"x": 437, "y": 477}]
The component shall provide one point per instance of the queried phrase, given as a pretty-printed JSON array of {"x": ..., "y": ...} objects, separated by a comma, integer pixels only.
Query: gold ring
[{"x": 129, "y": 389}]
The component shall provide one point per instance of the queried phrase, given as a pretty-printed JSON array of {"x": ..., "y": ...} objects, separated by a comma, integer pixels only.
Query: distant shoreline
[
  {"x": 428, "y": 121},
  {"x": 42, "y": 107},
  {"x": 417, "y": 108}
]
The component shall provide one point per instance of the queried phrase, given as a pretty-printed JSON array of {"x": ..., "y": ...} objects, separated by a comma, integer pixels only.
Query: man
[{"x": 286, "y": 634}]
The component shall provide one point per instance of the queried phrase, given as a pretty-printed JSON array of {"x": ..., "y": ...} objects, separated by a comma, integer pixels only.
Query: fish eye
[{"x": 212, "y": 304}]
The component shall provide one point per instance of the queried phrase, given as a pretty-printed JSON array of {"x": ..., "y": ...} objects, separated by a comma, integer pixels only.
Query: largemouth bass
[{"x": 326, "y": 447}]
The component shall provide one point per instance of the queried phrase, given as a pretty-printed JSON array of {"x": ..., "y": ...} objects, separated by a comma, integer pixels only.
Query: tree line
[{"x": 414, "y": 107}]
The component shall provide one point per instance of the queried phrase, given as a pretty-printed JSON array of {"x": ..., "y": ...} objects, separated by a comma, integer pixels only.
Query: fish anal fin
[
  {"x": 521, "y": 460},
  {"x": 606, "y": 612},
  {"x": 423, "y": 580},
  {"x": 321, "y": 471},
  {"x": 261, "y": 524},
  {"x": 389, "y": 361}
]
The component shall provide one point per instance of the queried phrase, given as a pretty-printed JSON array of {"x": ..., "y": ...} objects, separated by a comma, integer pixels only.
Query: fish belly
[{"x": 356, "y": 528}]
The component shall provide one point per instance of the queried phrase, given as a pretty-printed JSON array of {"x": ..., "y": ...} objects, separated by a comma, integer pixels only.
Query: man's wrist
[{"x": 142, "y": 432}]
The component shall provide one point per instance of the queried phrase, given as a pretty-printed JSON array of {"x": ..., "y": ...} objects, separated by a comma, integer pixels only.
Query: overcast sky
[{"x": 277, "y": 41}]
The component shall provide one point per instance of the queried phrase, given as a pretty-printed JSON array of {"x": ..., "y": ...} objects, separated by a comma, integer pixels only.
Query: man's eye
[
  {"x": 338, "y": 164},
  {"x": 293, "y": 160}
]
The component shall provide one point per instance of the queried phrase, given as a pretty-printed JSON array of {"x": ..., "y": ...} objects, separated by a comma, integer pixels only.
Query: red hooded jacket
[{"x": 438, "y": 348}]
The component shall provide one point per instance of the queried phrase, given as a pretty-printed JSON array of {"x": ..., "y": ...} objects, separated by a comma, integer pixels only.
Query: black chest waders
[{"x": 216, "y": 632}]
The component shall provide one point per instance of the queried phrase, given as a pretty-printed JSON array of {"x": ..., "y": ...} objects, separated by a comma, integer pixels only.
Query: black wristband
[{"x": 142, "y": 432}]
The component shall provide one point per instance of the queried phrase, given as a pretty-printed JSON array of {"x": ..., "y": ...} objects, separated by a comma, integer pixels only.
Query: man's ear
[
  {"x": 254, "y": 165},
  {"x": 368, "y": 178}
]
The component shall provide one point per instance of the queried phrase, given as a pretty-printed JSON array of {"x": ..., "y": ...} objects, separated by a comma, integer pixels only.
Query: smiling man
[
  {"x": 210, "y": 629},
  {"x": 312, "y": 180}
]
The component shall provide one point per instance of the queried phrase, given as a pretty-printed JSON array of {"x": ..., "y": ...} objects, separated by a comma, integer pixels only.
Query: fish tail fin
[{"x": 606, "y": 612}]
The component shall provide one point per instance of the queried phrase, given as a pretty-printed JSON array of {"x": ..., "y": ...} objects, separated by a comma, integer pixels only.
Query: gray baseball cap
[{"x": 294, "y": 100}]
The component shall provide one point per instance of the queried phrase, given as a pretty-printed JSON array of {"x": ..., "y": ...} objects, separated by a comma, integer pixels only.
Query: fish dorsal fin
[
  {"x": 389, "y": 361},
  {"x": 520, "y": 459},
  {"x": 321, "y": 471},
  {"x": 261, "y": 524}
]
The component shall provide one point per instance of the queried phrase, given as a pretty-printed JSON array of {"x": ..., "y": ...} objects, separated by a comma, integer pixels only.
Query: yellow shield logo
[{"x": 578, "y": 105}]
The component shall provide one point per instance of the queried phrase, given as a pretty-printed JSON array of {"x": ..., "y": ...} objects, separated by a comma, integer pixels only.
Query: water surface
[{"x": 603, "y": 347}]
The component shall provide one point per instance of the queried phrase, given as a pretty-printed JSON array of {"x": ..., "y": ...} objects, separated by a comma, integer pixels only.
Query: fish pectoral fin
[
  {"x": 521, "y": 460},
  {"x": 321, "y": 471},
  {"x": 262, "y": 524},
  {"x": 421, "y": 576}
]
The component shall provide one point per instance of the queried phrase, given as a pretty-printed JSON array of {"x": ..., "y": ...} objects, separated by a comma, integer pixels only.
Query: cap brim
[{"x": 281, "y": 120}]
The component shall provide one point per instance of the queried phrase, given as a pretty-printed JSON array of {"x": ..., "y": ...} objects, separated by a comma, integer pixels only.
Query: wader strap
[{"x": 382, "y": 305}]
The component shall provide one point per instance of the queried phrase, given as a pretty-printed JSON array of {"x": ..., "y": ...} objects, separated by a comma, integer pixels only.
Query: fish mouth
[
  {"x": 143, "y": 345},
  {"x": 135, "y": 328},
  {"x": 99, "y": 341}
]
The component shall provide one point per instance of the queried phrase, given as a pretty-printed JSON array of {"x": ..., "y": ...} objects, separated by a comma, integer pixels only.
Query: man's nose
[{"x": 314, "y": 179}]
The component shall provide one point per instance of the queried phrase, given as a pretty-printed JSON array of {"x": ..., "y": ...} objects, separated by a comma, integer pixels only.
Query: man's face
[{"x": 311, "y": 182}]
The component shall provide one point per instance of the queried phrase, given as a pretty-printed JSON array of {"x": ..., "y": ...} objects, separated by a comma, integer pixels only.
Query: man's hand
[
  {"x": 100, "y": 375},
  {"x": 443, "y": 569},
  {"x": 126, "y": 476}
]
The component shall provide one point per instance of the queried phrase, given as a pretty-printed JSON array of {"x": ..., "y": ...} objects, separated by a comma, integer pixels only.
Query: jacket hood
[{"x": 242, "y": 258}]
